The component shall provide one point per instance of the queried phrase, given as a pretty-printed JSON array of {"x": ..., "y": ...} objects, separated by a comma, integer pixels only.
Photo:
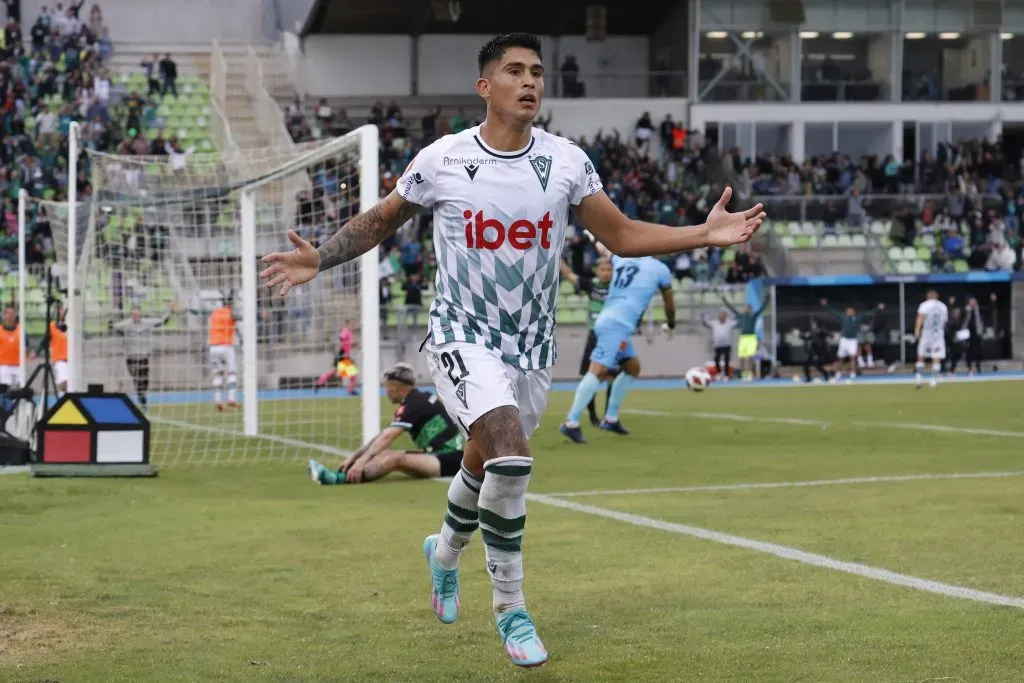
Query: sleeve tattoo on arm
[{"x": 363, "y": 233}]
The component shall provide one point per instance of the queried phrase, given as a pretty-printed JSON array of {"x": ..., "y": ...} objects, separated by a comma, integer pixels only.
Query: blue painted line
[{"x": 183, "y": 397}]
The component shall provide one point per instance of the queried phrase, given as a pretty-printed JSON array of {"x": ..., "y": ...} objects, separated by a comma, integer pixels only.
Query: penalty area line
[
  {"x": 790, "y": 484},
  {"x": 295, "y": 443},
  {"x": 787, "y": 553}
]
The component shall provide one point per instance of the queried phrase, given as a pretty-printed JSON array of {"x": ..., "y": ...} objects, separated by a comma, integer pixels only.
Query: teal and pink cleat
[
  {"x": 444, "y": 594},
  {"x": 520, "y": 638}
]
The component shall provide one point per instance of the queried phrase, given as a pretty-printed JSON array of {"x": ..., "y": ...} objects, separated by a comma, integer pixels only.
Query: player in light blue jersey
[{"x": 634, "y": 284}]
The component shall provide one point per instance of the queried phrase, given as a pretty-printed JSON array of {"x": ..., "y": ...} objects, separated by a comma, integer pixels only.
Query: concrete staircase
[{"x": 196, "y": 59}]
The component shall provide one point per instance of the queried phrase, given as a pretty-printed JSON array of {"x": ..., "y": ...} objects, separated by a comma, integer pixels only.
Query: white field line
[
  {"x": 330, "y": 450},
  {"x": 14, "y": 469},
  {"x": 792, "y": 554},
  {"x": 803, "y": 422},
  {"x": 790, "y": 484}
]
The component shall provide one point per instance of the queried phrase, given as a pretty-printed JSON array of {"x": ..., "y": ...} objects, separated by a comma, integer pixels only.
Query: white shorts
[
  {"x": 222, "y": 359},
  {"x": 931, "y": 348},
  {"x": 472, "y": 380},
  {"x": 60, "y": 372},
  {"x": 11, "y": 375},
  {"x": 848, "y": 348}
]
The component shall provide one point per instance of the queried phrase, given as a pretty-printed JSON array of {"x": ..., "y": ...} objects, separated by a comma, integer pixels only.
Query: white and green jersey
[{"x": 499, "y": 227}]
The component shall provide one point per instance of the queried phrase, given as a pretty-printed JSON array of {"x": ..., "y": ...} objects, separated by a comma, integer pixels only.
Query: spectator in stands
[
  {"x": 169, "y": 74},
  {"x": 953, "y": 243},
  {"x": 831, "y": 218},
  {"x": 412, "y": 257},
  {"x": 736, "y": 275},
  {"x": 1001, "y": 258},
  {"x": 151, "y": 65},
  {"x": 394, "y": 113},
  {"x": 644, "y": 132},
  {"x": 459, "y": 121},
  {"x": 570, "y": 71},
  {"x": 377, "y": 114},
  {"x": 428, "y": 125},
  {"x": 413, "y": 289},
  {"x": 324, "y": 116}
]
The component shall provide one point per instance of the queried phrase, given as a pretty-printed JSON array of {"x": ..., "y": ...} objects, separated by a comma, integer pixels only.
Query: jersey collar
[{"x": 502, "y": 155}]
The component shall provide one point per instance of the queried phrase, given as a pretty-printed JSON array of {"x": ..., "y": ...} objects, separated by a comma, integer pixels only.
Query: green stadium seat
[
  {"x": 895, "y": 253},
  {"x": 845, "y": 240},
  {"x": 909, "y": 253},
  {"x": 804, "y": 242},
  {"x": 789, "y": 242},
  {"x": 829, "y": 241},
  {"x": 858, "y": 240},
  {"x": 919, "y": 267},
  {"x": 903, "y": 267},
  {"x": 924, "y": 253},
  {"x": 960, "y": 266}
]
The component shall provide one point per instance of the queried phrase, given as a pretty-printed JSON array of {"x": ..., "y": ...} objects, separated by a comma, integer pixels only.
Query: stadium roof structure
[{"x": 543, "y": 17}]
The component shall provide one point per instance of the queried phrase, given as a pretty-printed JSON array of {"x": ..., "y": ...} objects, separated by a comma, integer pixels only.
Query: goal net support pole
[{"x": 369, "y": 286}]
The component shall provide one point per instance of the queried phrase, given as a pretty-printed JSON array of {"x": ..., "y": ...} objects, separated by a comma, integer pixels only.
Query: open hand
[
  {"x": 292, "y": 268},
  {"x": 726, "y": 229}
]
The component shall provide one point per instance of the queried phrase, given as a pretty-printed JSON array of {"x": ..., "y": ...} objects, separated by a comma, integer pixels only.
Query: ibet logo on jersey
[{"x": 490, "y": 233}]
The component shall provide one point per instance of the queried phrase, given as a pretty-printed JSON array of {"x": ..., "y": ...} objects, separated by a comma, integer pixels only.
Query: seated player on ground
[{"x": 438, "y": 441}]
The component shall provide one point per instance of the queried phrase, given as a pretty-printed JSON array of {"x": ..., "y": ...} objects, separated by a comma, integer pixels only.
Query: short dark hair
[{"x": 494, "y": 48}]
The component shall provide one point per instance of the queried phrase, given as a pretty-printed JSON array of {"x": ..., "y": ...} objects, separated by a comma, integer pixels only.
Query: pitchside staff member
[{"x": 138, "y": 347}]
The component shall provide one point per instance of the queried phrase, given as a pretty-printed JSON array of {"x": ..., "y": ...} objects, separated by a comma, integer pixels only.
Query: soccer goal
[{"x": 165, "y": 304}]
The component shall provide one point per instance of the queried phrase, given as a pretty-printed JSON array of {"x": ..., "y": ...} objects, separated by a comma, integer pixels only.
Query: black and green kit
[
  {"x": 424, "y": 417},
  {"x": 596, "y": 293}
]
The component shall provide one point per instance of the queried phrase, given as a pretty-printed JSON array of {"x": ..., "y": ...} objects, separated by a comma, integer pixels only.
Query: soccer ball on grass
[{"x": 697, "y": 379}]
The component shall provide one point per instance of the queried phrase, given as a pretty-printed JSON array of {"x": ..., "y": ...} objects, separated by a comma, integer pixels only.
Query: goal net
[{"x": 166, "y": 305}]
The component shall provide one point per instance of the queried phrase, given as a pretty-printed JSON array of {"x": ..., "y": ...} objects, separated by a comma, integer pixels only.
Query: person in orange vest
[
  {"x": 57, "y": 337},
  {"x": 10, "y": 348},
  {"x": 221, "y": 338}
]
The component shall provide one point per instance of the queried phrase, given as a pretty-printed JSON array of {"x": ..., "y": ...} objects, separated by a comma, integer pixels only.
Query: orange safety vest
[
  {"x": 678, "y": 138},
  {"x": 222, "y": 327},
  {"x": 10, "y": 345},
  {"x": 58, "y": 344}
]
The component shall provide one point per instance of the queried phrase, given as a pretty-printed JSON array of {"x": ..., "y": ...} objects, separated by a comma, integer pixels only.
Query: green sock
[{"x": 329, "y": 476}]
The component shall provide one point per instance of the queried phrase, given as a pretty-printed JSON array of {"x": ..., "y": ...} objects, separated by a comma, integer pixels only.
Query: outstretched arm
[
  {"x": 758, "y": 312},
  {"x": 357, "y": 461},
  {"x": 627, "y": 237},
  {"x": 354, "y": 239},
  {"x": 730, "y": 306},
  {"x": 366, "y": 231}
]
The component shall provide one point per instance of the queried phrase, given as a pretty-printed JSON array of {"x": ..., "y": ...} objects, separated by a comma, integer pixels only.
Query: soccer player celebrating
[
  {"x": 849, "y": 339},
  {"x": 221, "y": 338},
  {"x": 498, "y": 230},
  {"x": 138, "y": 346},
  {"x": 438, "y": 440},
  {"x": 10, "y": 349},
  {"x": 747, "y": 350},
  {"x": 636, "y": 282},
  {"x": 930, "y": 333},
  {"x": 596, "y": 289}
]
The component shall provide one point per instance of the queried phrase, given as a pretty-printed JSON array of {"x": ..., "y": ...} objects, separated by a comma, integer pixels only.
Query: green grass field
[{"x": 235, "y": 573}]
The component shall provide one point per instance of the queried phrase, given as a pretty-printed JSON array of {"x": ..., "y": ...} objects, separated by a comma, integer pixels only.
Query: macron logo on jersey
[{"x": 490, "y": 233}]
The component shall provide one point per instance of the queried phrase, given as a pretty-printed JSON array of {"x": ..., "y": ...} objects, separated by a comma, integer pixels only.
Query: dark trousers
[
  {"x": 138, "y": 368},
  {"x": 816, "y": 362},
  {"x": 723, "y": 354}
]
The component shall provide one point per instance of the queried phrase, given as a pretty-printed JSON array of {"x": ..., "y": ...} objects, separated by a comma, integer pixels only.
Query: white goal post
[{"x": 174, "y": 239}]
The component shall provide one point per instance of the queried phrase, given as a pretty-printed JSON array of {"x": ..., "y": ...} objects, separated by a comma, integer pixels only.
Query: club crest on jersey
[
  {"x": 542, "y": 167},
  {"x": 471, "y": 171},
  {"x": 460, "y": 391}
]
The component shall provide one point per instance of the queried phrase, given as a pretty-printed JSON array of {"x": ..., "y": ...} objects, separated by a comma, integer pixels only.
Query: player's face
[
  {"x": 850, "y": 312},
  {"x": 136, "y": 314},
  {"x": 604, "y": 273},
  {"x": 394, "y": 391},
  {"x": 9, "y": 316},
  {"x": 514, "y": 85}
]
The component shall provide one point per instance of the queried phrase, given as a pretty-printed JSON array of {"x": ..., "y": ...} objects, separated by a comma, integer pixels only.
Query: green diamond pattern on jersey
[{"x": 531, "y": 281}]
